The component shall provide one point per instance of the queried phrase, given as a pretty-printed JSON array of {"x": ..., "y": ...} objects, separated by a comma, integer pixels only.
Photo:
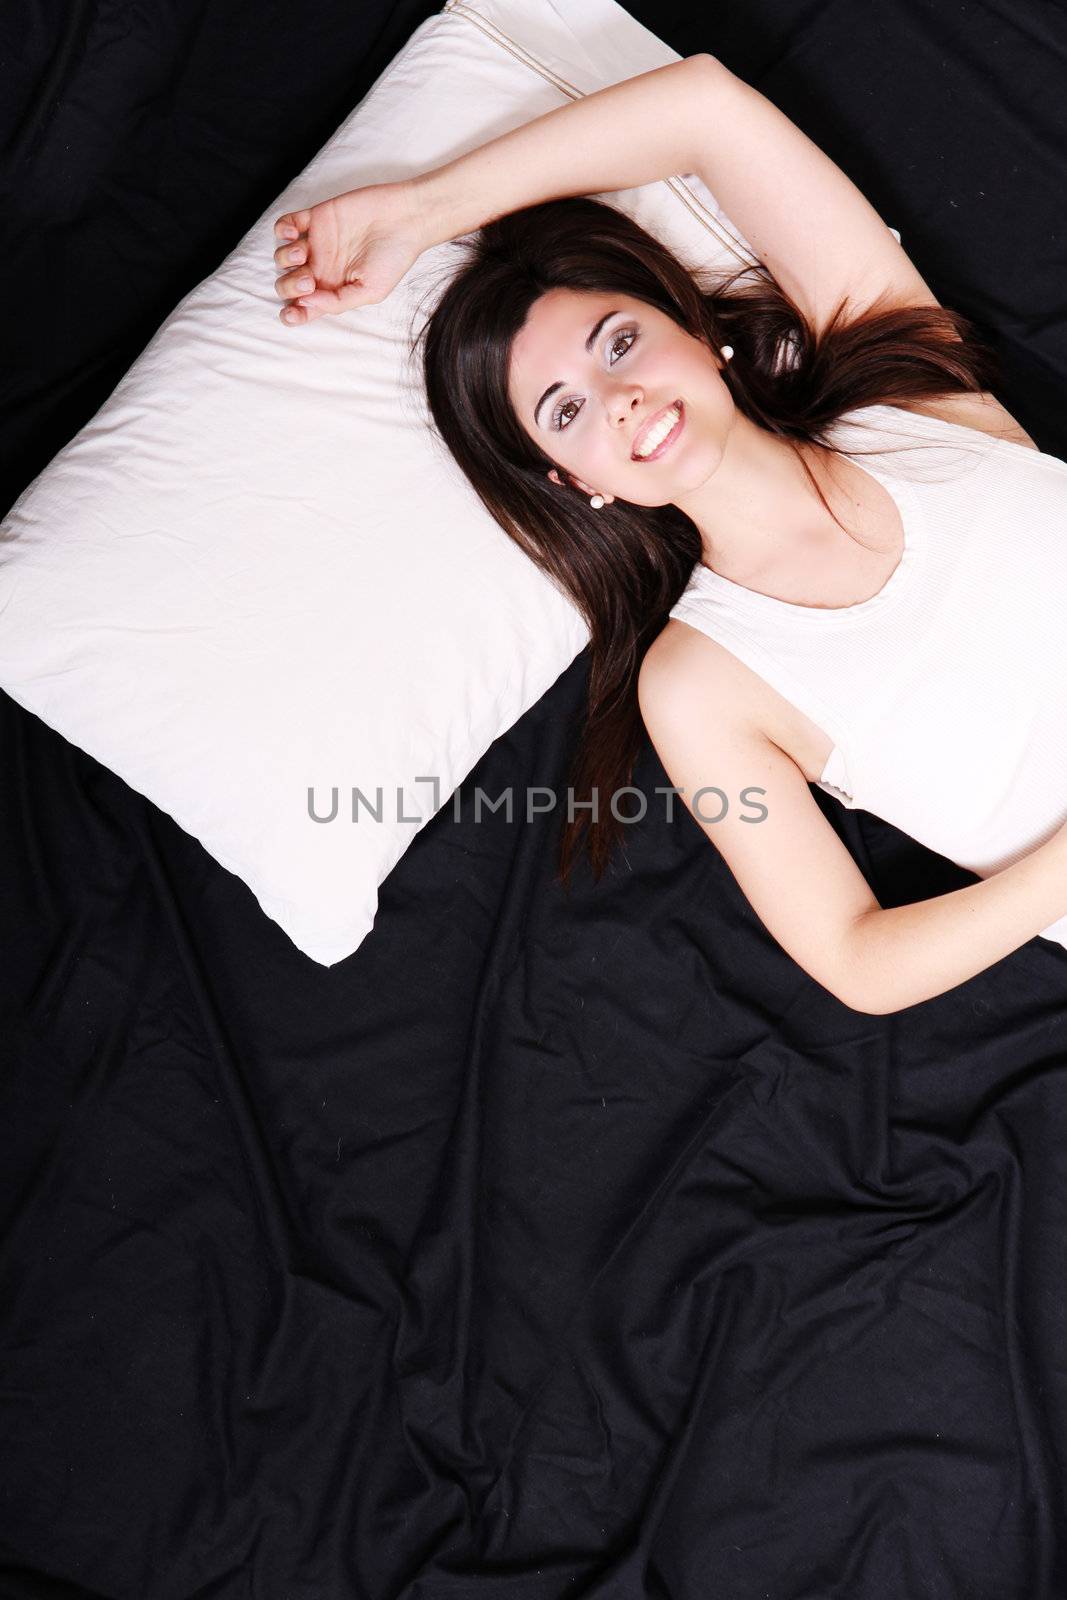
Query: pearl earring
[
  {"x": 596, "y": 501},
  {"x": 727, "y": 351}
]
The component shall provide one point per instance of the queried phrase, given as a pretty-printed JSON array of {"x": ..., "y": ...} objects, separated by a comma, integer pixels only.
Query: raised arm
[
  {"x": 354, "y": 247},
  {"x": 630, "y": 133},
  {"x": 805, "y": 219}
]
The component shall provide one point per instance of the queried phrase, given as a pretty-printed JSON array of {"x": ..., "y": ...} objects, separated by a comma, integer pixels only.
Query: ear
[
  {"x": 578, "y": 484},
  {"x": 575, "y": 483}
]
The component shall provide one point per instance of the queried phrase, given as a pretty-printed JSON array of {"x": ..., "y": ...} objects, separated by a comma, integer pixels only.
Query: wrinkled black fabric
[{"x": 549, "y": 1246}]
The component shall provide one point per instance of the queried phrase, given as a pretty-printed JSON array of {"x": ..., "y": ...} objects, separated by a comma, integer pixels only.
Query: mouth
[{"x": 650, "y": 429}]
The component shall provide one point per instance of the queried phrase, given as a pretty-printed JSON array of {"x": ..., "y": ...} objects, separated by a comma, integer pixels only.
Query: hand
[{"x": 352, "y": 251}]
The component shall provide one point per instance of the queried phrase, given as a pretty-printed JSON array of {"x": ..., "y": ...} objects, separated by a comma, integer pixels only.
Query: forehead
[{"x": 553, "y": 336}]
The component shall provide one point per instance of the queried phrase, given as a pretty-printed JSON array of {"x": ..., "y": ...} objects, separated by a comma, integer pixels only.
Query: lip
[{"x": 665, "y": 444}]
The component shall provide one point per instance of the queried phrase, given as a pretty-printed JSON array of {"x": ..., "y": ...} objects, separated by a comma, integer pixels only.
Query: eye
[{"x": 629, "y": 334}]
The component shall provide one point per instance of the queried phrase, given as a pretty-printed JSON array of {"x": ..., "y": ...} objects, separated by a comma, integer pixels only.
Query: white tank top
[{"x": 946, "y": 692}]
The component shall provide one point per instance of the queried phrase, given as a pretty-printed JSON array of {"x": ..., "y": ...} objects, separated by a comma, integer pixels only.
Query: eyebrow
[{"x": 589, "y": 343}]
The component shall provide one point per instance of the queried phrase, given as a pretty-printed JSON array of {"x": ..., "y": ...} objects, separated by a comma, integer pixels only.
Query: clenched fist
[{"x": 346, "y": 252}]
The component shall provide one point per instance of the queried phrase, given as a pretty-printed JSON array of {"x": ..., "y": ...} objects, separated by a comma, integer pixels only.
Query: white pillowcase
[{"x": 255, "y": 571}]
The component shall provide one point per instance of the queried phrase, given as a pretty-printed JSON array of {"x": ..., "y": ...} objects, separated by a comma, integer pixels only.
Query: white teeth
[{"x": 656, "y": 434}]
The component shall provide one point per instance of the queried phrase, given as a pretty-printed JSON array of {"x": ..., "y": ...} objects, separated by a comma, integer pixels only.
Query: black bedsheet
[{"x": 546, "y": 1247}]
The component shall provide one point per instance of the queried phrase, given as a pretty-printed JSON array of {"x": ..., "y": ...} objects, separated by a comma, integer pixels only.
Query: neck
[{"x": 758, "y": 506}]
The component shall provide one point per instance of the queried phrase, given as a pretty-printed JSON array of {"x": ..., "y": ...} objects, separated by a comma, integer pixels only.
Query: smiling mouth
[{"x": 665, "y": 444}]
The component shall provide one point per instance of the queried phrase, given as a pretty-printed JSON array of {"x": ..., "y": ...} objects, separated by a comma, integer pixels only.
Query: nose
[{"x": 621, "y": 403}]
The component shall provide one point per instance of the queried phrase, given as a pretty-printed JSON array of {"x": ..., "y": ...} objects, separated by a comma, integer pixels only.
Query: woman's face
[{"x": 638, "y": 365}]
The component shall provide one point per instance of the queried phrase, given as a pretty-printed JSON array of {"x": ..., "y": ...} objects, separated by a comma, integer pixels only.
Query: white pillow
[{"x": 255, "y": 571}]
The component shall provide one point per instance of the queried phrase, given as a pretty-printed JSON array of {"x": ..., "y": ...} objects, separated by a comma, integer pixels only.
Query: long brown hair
[{"x": 625, "y": 566}]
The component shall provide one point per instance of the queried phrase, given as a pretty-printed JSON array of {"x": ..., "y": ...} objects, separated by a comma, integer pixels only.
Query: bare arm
[
  {"x": 910, "y": 953},
  {"x": 352, "y": 249},
  {"x": 799, "y": 878},
  {"x": 806, "y": 220},
  {"x": 628, "y": 134},
  {"x": 804, "y": 217}
]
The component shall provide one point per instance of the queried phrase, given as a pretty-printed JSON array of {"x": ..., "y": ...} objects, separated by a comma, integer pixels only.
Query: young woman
[{"x": 776, "y": 613}]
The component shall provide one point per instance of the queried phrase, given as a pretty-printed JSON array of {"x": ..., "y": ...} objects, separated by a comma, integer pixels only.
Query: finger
[
  {"x": 291, "y": 223},
  {"x": 291, "y": 255},
  {"x": 326, "y": 302},
  {"x": 347, "y": 298},
  {"x": 306, "y": 309},
  {"x": 290, "y": 284},
  {"x": 320, "y": 303}
]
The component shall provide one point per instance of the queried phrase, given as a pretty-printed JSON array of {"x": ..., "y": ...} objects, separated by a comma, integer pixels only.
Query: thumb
[{"x": 330, "y": 302}]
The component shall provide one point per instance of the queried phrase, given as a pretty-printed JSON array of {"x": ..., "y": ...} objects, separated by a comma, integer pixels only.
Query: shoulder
[
  {"x": 685, "y": 673},
  {"x": 979, "y": 411}
]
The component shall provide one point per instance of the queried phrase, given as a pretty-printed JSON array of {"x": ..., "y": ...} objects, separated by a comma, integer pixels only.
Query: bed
[{"x": 547, "y": 1246}]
